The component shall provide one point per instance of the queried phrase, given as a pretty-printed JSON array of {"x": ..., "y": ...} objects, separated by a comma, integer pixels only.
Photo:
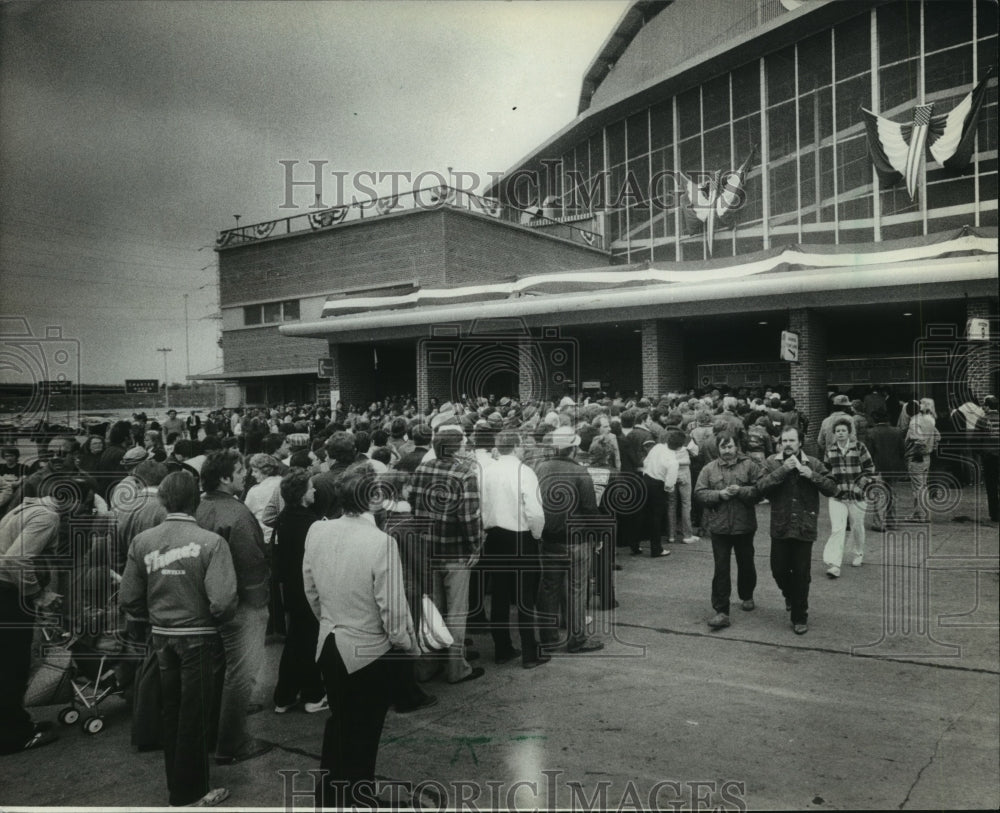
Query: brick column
[
  {"x": 433, "y": 380},
  {"x": 809, "y": 373},
  {"x": 529, "y": 374},
  {"x": 662, "y": 358},
  {"x": 351, "y": 381},
  {"x": 981, "y": 363}
]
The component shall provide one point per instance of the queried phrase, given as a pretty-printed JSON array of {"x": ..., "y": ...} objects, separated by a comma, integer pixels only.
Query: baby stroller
[{"x": 81, "y": 669}]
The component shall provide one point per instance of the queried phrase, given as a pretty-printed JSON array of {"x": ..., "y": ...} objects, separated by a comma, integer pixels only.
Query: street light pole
[
  {"x": 187, "y": 350},
  {"x": 166, "y": 383}
]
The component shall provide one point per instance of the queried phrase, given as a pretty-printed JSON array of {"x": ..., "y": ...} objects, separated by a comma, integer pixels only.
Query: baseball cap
[{"x": 564, "y": 437}]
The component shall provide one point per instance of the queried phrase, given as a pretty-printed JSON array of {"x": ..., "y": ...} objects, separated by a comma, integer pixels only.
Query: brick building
[{"x": 717, "y": 188}]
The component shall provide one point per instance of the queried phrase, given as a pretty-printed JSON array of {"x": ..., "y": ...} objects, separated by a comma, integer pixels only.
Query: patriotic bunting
[
  {"x": 899, "y": 150},
  {"x": 719, "y": 193}
]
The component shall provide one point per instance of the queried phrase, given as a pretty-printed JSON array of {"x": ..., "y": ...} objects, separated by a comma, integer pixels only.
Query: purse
[{"x": 434, "y": 635}]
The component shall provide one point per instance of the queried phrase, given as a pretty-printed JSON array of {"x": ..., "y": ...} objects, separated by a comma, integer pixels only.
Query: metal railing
[{"x": 431, "y": 198}]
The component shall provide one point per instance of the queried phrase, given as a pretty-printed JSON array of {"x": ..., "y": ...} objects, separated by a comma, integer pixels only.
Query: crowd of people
[{"x": 377, "y": 540}]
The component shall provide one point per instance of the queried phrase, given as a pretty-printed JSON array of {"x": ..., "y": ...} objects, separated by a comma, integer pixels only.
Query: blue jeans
[
  {"x": 243, "y": 642},
  {"x": 187, "y": 679},
  {"x": 565, "y": 572}
]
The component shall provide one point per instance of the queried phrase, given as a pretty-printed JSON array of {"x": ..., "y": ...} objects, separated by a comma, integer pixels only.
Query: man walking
[
  {"x": 793, "y": 482},
  {"x": 727, "y": 488}
]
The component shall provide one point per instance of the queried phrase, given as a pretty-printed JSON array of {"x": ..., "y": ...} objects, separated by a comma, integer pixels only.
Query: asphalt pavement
[{"x": 891, "y": 701}]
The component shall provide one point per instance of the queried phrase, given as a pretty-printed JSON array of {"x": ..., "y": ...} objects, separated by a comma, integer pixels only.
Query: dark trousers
[
  {"x": 604, "y": 573},
  {"x": 565, "y": 576},
  {"x": 791, "y": 561},
  {"x": 358, "y": 705},
  {"x": 16, "y": 630},
  {"x": 657, "y": 510},
  {"x": 514, "y": 567},
  {"x": 187, "y": 678},
  {"x": 298, "y": 671},
  {"x": 723, "y": 546},
  {"x": 990, "y": 474}
]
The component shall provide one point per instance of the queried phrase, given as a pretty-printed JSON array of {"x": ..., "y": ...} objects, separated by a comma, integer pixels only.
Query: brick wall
[
  {"x": 352, "y": 373},
  {"x": 982, "y": 362},
  {"x": 358, "y": 255},
  {"x": 432, "y": 381},
  {"x": 662, "y": 358},
  {"x": 479, "y": 249},
  {"x": 809, "y": 375},
  {"x": 265, "y": 349}
]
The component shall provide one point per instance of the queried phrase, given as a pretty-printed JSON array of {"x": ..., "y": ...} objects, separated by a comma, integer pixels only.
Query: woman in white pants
[{"x": 852, "y": 467}]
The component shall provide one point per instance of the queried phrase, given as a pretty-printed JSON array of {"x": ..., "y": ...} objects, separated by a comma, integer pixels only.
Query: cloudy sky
[{"x": 132, "y": 132}]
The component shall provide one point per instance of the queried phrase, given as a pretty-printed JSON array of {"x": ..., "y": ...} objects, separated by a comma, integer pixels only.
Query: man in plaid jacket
[{"x": 445, "y": 491}]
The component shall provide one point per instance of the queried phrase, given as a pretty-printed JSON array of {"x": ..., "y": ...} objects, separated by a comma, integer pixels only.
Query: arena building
[{"x": 753, "y": 192}]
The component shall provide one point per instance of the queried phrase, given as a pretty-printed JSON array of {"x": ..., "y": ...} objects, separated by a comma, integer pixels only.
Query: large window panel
[
  {"x": 746, "y": 135},
  {"x": 853, "y": 47},
  {"x": 595, "y": 149},
  {"x": 948, "y": 70},
  {"x": 662, "y": 124},
  {"x": 947, "y": 24},
  {"x": 746, "y": 90},
  {"x": 780, "y": 70},
  {"x": 784, "y": 190},
  {"x": 616, "y": 144},
  {"x": 638, "y": 135},
  {"x": 689, "y": 153},
  {"x": 896, "y": 200},
  {"x": 814, "y": 62},
  {"x": 715, "y": 95},
  {"x": 717, "y": 149},
  {"x": 852, "y": 95},
  {"x": 898, "y": 31},
  {"x": 854, "y": 166},
  {"x": 781, "y": 130},
  {"x": 826, "y": 187},
  {"x": 807, "y": 186},
  {"x": 689, "y": 113}
]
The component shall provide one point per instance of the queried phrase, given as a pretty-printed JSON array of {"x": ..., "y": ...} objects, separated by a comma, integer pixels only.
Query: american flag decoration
[
  {"x": 899, "y": 150},
  {"x": 704, "y": 204},
  {"x": 328, "y": 217}
]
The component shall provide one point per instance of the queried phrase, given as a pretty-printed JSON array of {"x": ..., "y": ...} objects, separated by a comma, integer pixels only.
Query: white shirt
[
  {"x": 509, "y": 496},
  {"x": 661, "y": 464}
]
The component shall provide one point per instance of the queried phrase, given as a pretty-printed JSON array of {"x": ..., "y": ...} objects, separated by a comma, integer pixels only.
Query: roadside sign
[
  {"x": 58, "y": 386},
  {"x": 325, "y": 368},
  {"x": 137, "y": 386}
]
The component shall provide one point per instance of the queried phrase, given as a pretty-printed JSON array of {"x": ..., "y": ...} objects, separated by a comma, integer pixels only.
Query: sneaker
[
  {"x": 320, "y": 705},
  {"x": 285, "y": 709},
  {"x": 748, "y": 605},
  {"x": 661, "y": 553},
  {"x": 534, "y": 663},
  {"x": 856, "y": 562},
  {"x": 718, "y": 621},
  {"x": 833, "y": 572},
  {"x": 800, "y": 629},
  {"x": 214, "y": 797},
  {"x": 690, "y": 540}
]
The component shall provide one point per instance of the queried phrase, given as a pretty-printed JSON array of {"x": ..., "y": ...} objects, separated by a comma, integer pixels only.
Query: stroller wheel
[
  {"x": 94, "y": 725},
  {"x": 69, "y": 715}
]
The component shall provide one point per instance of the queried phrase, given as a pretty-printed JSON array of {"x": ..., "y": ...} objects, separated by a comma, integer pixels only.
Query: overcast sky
[{"x": 132, "y": 132}]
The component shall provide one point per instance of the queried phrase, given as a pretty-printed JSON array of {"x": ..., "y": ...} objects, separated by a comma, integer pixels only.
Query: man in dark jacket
[
  {"x": 243, "y": 636},
  {"x": 727, "y": 489},
  {"x": 885, "y": 445},
  {"x": 567, "y": 492},
  {"x": 793, "y": 482}
]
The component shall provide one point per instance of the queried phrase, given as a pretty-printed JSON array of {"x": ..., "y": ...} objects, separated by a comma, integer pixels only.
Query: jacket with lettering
[
  {"x": 795, "y": 497},
  {"x": 180, "y": 577}
]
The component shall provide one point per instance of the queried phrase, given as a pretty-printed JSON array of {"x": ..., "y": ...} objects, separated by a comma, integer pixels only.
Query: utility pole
[
  {"x": 166, "y": 383},
  {"x": 187, "y": 350}
]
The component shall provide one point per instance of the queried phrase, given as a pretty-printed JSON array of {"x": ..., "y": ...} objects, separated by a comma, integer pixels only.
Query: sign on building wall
[
  {"x": 325, "y": 368},
  {"x": 979, "y": 330},
  {"x": 789, "y": 346}
]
